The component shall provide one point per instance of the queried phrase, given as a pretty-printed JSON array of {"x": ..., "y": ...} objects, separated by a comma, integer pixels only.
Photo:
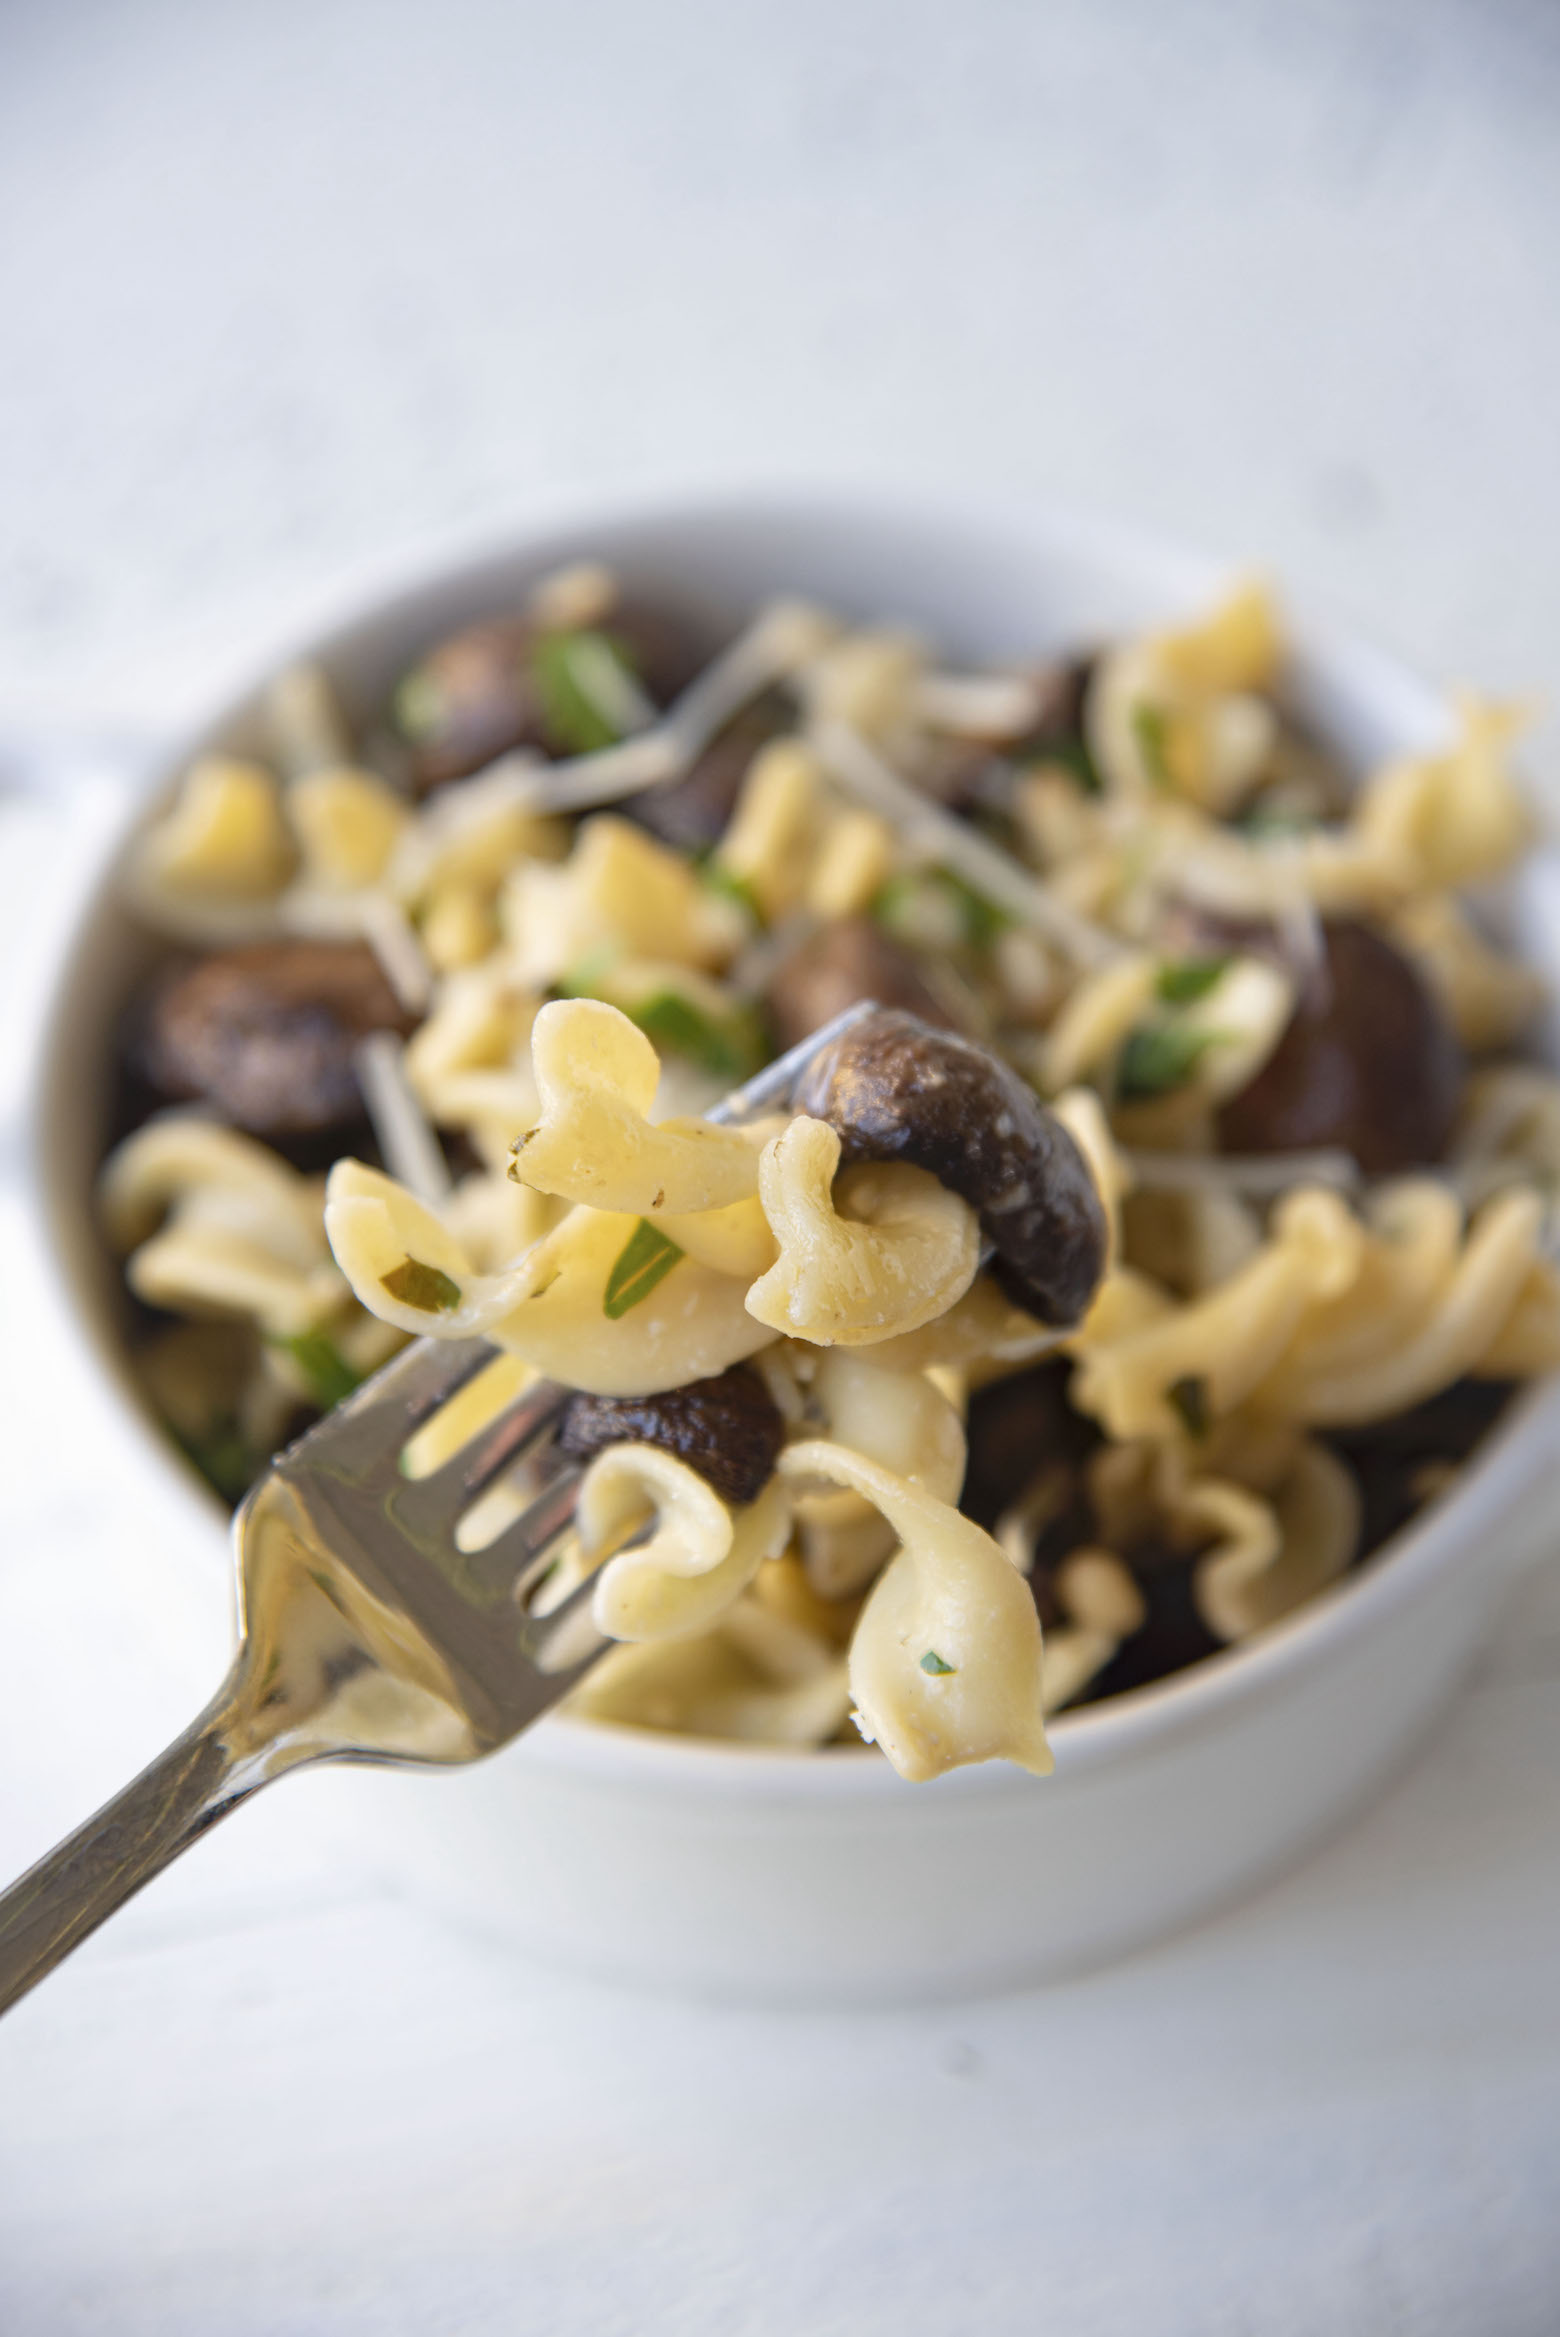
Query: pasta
[{"x": 1053, "y": 1332}]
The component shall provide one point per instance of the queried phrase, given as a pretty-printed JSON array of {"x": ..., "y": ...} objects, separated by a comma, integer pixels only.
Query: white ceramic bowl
[{"x": 821, "y": 1876}]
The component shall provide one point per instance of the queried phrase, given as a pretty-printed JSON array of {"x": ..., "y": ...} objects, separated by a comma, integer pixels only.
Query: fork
[{"x": 366, "y": 1633}]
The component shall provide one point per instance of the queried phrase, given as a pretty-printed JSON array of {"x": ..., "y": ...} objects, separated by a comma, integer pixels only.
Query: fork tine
[
  {"x": 495, "y": 1447},
  {"x": 425, "y": 1375}
]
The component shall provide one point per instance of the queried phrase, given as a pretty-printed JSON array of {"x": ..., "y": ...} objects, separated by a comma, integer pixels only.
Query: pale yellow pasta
[
  {"x": 945, "y": 1665},
  {"x": 216, "y": 862},
  {"x": 754, "y": 1678},
  {"x": 550, "y": 1305},
  {"x": 1453, "y": 818},
  {"x": 699, "y": 1559},
  {"x": 1248, "y": 1583},
  {"x": 1230, "y": 1339},
  {"x": 347, "y": 823},
  {"x": 770, "y": 840},
  {"x": 897, "y": 1419},
  {"x": 472, "y": 833},
  {"x": 869, "y": 680},
  {"x": 215, "y": 1223},
  {"x": 1095, "y": 1020},
  {"x": 596, "y": 1075},
  {"x": 1462, "y": 1326},
  {"x": 469, "y": 1063},
  {"x": 1490, "y": 998},
  {"x": 884, "y": 1252},
  {"x": 1179, "y": 712},
  {"x": 618, "y": 889}
]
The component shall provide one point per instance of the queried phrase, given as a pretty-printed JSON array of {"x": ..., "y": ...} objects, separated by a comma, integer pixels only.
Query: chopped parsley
[
  {"x": 1072, "y": 756},
  {"x": 645, "y": 1259},
  {"x": 223, "y": 1456},
  {"x": 731, "y": 1046},
  {"x": 726, "y": 885},
  {"x": 1182, "y": 981},
  {"x": 932, "y": 1662},
  {"x": 330, "y": 1376},
  {"x": 1157, "y": 1058},
  {"x": 1151, "y": 729},
  {"x": 427, "y": 1288},
  {"x": 560, "y": 664},
  {"x": 911, "y": 904},
  {"x": 1190, "y": 1398}
]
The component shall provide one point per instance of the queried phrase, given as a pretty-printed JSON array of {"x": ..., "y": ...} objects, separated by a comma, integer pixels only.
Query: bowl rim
[{"x": 1094, "y": 1737}]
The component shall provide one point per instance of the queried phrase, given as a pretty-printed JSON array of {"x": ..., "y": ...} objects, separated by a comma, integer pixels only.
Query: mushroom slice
[
  {"x": 896, "y": 1090},
  {"x": 728, "y": 1429},
  {"x": 945, "y": 1665},
  {"x": 884, "y": 1252}
]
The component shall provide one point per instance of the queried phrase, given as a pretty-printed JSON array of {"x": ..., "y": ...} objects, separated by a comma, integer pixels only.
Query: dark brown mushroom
[
  {"x": 268, "y": 1033},
  {"x": 728, "y": 1428},
  {"x": 896, "y": 1089},
  {"x": 1016, "y": 1427},
  {"x": 692, "y": 813},
  {"x": 485, "y": 690},
  {"x": 977, "y": 775},
  {"x": 1368, "y": 1063},
  {"x": 1173, "y": 1634},
  {"x": 838, "y": 965},
  {"x": 1389, "y": 1458}
]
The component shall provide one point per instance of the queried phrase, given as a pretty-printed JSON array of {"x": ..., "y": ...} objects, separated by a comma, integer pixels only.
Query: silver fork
[{"x": 365, "y": 1632}]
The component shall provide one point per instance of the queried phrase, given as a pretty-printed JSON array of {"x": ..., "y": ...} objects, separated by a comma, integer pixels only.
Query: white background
[{"x": 291, "y": 291}]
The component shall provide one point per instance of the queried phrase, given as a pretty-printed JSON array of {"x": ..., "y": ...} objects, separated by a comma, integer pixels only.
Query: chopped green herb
[
  {"x": 223, "y": 1456},
  {"x": 728, "y": 886},
  {"x": 983, "y": 919},
  {"x": 645, "y": 1259},
  {"x": 330, "y": 1376},
  {"x": 1151, "y": 730},
  {"x": 729, "y": 1046},
  {"x": 935, "y": 905},
  {"x": 1182, "y": 981},
  {"x": 584, "y": 978},
  {"x": 1157, "y": 1057},
  {"x": 427, "y": 1288},
  {"x": 560, "y": 664},
  {"x": 1190, "y": 1398},
  {"x": 932, "y": 1662},
  {"x": 1072, "y": 756}
]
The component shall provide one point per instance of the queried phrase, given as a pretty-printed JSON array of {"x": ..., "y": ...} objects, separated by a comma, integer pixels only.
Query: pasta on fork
[{"x": 1175, "y": 1227}]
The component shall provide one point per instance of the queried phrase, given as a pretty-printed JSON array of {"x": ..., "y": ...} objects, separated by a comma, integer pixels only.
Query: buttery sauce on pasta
[{"x": 1170, "y": 1238}]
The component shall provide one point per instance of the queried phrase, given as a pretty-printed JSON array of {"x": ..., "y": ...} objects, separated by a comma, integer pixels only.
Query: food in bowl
[{"x": 1253, "y": 1059}]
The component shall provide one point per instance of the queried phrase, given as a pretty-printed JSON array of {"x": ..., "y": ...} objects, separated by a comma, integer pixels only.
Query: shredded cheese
[
  {"x": 411, "y": 1150},
  {"x": 864, "y": 775}
]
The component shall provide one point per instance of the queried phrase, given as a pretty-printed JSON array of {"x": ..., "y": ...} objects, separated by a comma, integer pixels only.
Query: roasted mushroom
[
  {"x": 837, "y": 965},
  {"x": 728, "y": 1428},
  {"x": 692, "y": 813},
  {"x": 268, "y": 1034},
  {"x": 895, "y": 1089},
  {"x": 1368, "y": 1063},
  {"x": 513, "y": 682},
  {"x": 1397, "y": 1463},
  {"x": 1173, "y": 1636},
  {"x": 1016, "y": 1427}
]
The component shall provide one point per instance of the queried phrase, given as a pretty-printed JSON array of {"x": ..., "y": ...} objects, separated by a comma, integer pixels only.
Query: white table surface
[{"x": 290, "y": 290}]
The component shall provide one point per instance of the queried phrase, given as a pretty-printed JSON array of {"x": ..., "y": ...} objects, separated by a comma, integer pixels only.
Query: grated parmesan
[
  {"x": 864, "y": 775},
  {"x": 411, "y": 1150}
]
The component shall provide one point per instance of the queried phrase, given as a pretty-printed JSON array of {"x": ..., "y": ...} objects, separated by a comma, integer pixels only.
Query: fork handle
[{"x": 77, "y": 1885}]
